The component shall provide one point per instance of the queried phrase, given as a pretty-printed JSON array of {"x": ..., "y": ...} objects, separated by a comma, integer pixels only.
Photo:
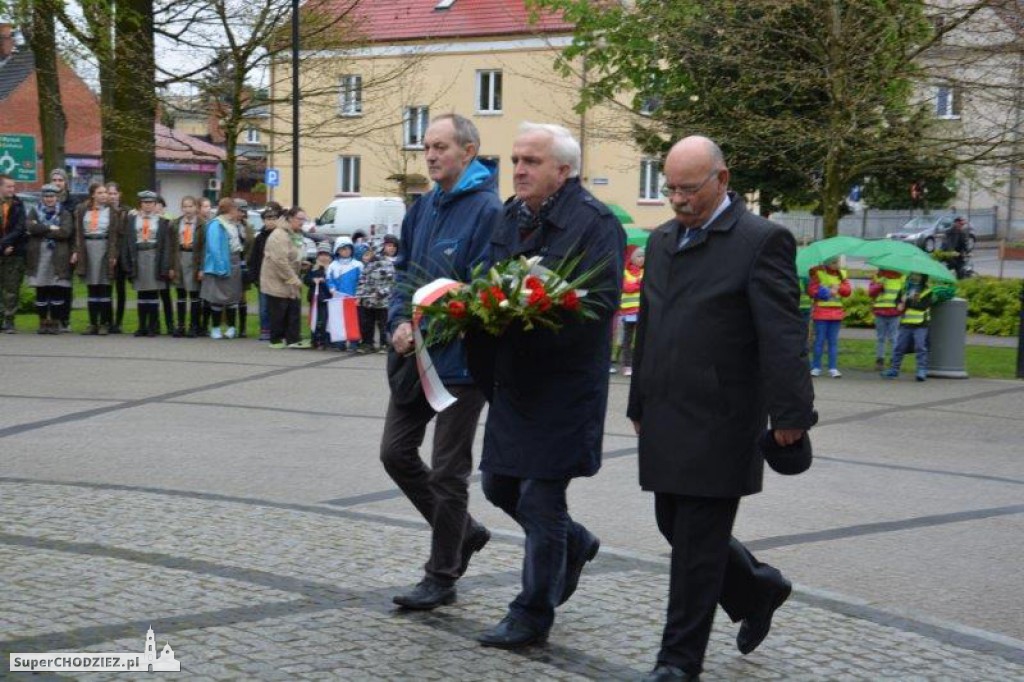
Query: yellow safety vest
[
  {"x": 630, "y": 301},
  {"x": 828, "y": 280},
  {"x": 891, "y": 292},
  {"x": 917, "y": 316}
]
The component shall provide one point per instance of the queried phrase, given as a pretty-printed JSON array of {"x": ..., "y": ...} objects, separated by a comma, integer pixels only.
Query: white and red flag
[{"x": 343, "y": 319}]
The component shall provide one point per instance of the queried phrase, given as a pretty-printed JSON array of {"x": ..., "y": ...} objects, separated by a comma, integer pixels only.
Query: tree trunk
[
  {"x": 230, "y": 159},
  {"x": 52, "y": 121},
  {"x": 832, "y": 192},
  {"x": 131, "y": 155}
]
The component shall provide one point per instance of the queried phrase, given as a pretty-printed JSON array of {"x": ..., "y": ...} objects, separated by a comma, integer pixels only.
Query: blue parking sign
[{"x": 273, "y": 178}]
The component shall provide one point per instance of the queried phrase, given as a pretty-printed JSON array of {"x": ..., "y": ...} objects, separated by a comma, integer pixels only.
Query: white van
[{"x": 373, "y": 217}]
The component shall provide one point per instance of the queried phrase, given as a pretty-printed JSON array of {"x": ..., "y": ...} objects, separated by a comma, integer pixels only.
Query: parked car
[
  {"x": 928, "y": 232},
  {"x": 255, "y": 220},
  {"x": 373, "y": 217}
]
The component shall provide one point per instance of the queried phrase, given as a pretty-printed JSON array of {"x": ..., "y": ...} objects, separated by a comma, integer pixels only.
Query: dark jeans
[
  {"x": 699, "y": 530},
  {"x": 284, "y": 319},
  {"x": 373, "y": 320},
  {"x": 912, "y": 338},
  {"x": 552, "y": 537},
  {"x": 439, "y": 492},
  {"x": 628, "y": 332}
]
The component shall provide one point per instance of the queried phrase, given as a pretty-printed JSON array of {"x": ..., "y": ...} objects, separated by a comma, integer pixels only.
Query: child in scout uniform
[
  {"x": 97, "y": 255},
  {"x": 50, "y": 231},
  {"x": 148, "y": 257},
  {"x": 186, "y": 283}
]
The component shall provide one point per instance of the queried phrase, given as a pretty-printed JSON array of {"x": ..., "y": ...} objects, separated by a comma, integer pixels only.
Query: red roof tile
[{"x": 396, "y": 20}]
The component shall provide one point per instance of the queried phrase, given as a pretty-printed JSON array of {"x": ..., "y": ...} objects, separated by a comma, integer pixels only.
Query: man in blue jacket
[
  {"x": 548, "y": 389},
  {"x": 445, "y": 234}
]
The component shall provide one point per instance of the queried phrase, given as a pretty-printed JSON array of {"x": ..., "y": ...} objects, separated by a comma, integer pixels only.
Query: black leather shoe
[
  {"x": 512, "y": 634},
  {"x": 663, "y": 672},
  {"x": 473, "y": 543},
  {"x": 755, "y": 627},
  {"x": 574, "y": 569},
  {"x": 427, "y": 595}
]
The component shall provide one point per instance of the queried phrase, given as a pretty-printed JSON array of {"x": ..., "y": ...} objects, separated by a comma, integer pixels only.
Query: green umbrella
[
  {"x": 637, "y": 236},
  {"x": 885, "y": 247},
  {"x": 916, "y": 263},
  {"x": 821, "y": 251},
  {"x": 621, "y": 214}
]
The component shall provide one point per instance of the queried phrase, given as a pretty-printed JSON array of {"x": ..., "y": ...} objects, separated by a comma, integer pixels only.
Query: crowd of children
[{"x": 108, "y": 244}]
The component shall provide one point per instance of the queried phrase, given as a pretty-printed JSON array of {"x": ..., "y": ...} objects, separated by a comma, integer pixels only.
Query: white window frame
[
  {"x": 350, "y": 95},
  {"x": 947, "y": 101},
  {"x": 415, "y": 120},
  {"x": 651, "y": 180},
  {"x": 349, "y": 167},
  {"x": 252, "y": 135},
  {"x": 489, "y": 91}
]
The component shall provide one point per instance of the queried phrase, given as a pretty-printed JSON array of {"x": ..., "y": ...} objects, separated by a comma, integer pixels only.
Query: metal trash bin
[{"x": 947, "y": 338}]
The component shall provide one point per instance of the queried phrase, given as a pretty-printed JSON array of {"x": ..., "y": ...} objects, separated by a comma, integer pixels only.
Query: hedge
[{"x": 993, "y": 306}]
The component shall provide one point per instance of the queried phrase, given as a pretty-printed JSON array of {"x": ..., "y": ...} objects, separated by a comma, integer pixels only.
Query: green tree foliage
[{"x": 806, "y": 97}]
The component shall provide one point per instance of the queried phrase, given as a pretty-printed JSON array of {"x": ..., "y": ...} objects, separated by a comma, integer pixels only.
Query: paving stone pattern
[{"x": 243, "y": 590}]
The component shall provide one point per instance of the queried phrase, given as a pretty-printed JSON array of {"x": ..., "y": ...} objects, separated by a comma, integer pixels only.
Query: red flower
[
  {"x": 570, "y": 301},
  {"x": 533, "y": 282},
  {"x": 491, "y": 296},
  {"x": 457, "y": 309},
  {"x": 538, "y": 297}
]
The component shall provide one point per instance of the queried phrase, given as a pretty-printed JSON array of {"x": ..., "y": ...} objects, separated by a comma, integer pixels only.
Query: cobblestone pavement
[
  {"x": 243, "y": 589},
  {"x": 272, "y": 550}
]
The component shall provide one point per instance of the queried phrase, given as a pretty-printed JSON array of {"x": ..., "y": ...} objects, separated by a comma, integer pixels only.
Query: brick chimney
[{"x": 6, "y": 40}]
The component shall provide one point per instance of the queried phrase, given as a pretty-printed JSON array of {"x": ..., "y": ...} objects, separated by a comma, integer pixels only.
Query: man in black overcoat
[
  {"x": 548, "y": 390},
  {"x": 719, "y": 353}
]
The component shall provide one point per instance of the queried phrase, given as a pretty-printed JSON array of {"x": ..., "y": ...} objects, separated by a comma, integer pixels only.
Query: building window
[
  {"x": 488, "y": 92},
  {"x": 947, "y": 101},
  {"x": 650, "y": 180},
  {"x": 350, "y": 96},
  {"x": 414, "y": 126},
  {"x": 348, "y": 174},
  {"x": 252, "y": 135}
]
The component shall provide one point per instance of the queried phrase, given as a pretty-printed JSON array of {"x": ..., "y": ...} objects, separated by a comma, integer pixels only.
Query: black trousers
[
  {"x": 708, "y": 566},
  {"x": 284, "y": 319},
  {"x": 440, "y": 492}
]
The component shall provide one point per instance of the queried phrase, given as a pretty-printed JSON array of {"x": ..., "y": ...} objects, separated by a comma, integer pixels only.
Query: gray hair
[
  {"x": 563, "y": 145},
  {"x": 465, "y": 131}
]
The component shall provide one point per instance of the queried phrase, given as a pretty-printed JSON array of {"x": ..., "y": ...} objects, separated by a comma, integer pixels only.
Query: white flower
[
  {"x": 503, "y": 304},
  {"x": 694, "y": 98}
]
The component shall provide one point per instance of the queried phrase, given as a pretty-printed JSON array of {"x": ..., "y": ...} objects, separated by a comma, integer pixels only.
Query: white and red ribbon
[{"x": 437, "y": 395}]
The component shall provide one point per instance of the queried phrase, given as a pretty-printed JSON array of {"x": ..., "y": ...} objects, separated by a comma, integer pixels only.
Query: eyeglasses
[{"x": 687, "y": 191}]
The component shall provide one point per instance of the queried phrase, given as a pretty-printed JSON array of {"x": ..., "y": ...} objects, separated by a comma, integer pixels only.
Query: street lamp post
[{"x": 295, "y": 102}]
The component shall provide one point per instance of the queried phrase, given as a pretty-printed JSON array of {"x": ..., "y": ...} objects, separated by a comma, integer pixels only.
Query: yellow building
[{"x": 364, "y": 111}]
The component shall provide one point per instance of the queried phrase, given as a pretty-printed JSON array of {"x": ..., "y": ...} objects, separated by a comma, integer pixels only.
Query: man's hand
[
  {"x": 402, "y": 339},
  {"x": 784, "y": 437},
  {"x": 636, "y": 427}
]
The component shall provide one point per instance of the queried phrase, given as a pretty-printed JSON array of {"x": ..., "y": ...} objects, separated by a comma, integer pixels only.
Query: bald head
[{"x": 698, "y": 179}]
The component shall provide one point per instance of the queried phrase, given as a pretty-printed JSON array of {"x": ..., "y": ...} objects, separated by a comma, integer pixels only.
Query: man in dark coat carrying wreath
[
  {"x": 548, "y": 389},
  {"x": 719, "y": 352}
]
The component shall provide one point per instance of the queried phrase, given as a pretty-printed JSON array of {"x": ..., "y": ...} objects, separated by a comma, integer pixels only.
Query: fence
[{"x": 875, "y": 224}]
